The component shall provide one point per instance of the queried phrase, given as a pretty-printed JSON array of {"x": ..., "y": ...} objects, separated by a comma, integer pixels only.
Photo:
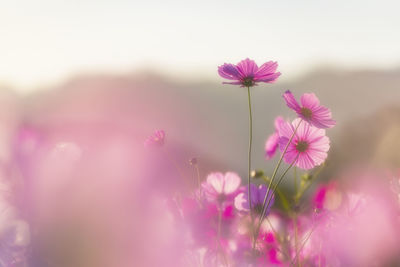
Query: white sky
[{"x": 43, "y": 41}]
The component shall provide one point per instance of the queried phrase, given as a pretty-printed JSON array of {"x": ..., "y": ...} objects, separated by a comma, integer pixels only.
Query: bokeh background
[{"x": 83, "y": 83}]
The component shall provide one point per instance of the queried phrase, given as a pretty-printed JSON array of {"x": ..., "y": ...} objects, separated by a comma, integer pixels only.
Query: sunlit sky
[{"x": 44, "y": 41}]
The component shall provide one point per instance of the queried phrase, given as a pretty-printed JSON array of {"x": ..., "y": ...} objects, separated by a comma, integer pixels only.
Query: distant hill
[{"x": 209, "y": 120}]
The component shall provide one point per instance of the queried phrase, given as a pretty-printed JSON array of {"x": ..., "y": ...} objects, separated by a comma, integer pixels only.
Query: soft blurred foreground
[{"x": 78, "y": 187}]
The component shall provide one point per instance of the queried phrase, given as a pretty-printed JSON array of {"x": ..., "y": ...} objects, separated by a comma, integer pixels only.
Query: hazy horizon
[{"x": 45, "y": 42}]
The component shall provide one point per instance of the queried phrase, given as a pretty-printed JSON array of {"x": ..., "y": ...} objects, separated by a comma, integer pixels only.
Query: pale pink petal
[
  {"x": 241, "y": 202},
  {"x": 318, "y": 157},
  {"x": 291, "y": 101},
  {"x": 267, "y": 69},
  {"x": 285, "y": 130},
  {"x": 319, "y": 145},
  {"x": 309, "y": 100},
  {"x": 305, "y": 162},
  {"x": 322, "y": 118},
  {"x": 303, "y": 128},
  {"x": 271, "y": 145},
  {"x": 216, "y": 180},
  {"x": 278, "y": 121},
  {"x": 232, "y": 183}
]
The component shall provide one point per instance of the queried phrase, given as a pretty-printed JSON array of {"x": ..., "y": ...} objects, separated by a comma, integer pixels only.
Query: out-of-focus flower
[
  {"x": 309, "y": 146},
  {"x": 257, "y": 199},
  {"x": 327, "y": 197},
  {"x": 221, "y": 188},
  {"x": 247, "y": 74},
  {"x": 272, "y": 143},
  {"x": 310, "y": 110},
  {"x": 157, "y": 139}
]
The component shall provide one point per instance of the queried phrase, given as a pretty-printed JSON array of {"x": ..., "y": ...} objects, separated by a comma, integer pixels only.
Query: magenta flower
[
  {"x": 310, "y": 110},
  {"x": 247, "y": 74},
  {"x": 157, "y": 139},
  {"x": 272, "y": 142},
  {"x": 220, "y": 188},
  {"x": 257, "y": 199},
  {"x": 309, "y": 146}
]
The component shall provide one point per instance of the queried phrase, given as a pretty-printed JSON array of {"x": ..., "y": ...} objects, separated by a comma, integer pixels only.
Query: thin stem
[
  {"x": 296, "y": 242},
  {"x": 219, "y": 238},
  {"x": 264, "y": 207},
  {"x": 302, "y": 245},
  {"x": 277, "y": 167},
  {"x": 270, "y": 198},
  {"x": 249, "y": 154},
  {"x": 277, "y": 184},
  {"x": 295, "y": 180}
]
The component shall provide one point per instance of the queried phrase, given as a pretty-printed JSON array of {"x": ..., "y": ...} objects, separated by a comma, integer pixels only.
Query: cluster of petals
[
  {"x": 221, "y": 188},
  {"x": 308, "y": 147},
  {"x": 247, "y": 74},
  {"x": 310, "y": 110}
]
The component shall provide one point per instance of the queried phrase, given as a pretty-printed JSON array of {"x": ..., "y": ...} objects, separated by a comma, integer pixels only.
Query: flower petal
[
  {"x": 232, "y": 183},
  {"x": 267, "y": 69},
  {"x": 216, "y": 180},
  {"x": 291, "y": 101},
  {"x": 229, "y": 71},
  {"x": 271, "y": 145},
  {"x": 247, "y": 68},
  {"x": 309, "y": 101},
  {"x": 241, "y": 202}
]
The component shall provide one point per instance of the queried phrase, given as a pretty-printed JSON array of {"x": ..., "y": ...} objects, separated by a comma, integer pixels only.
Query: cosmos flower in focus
[
  {"x": 257, "y": 199},
  {"x": 272, "y": 142},
  {"x": 309, "y": 146},
  {"x": 221, "y": 188},
  {"x": 310, "y": 110},
  {"x": 156, "y": 139},
  {"x": 247, "y": 74}
]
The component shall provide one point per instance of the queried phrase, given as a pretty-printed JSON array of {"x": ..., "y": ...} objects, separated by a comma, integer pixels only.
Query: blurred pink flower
[
  {"x": 327, "y": 197},
  {"x": 247, "y": 74},
  {"x": 272, "y": 142},
  {"x": 310, "y": 110},
  {"x": 220, "y": 188},
  {"x": 257, "y": 199},
  {"x": 156, "y": 139},
  {"x": 309, "y": 146}
]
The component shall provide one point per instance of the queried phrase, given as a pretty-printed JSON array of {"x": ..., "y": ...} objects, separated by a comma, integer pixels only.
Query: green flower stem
[
  {"x": 277, "y": 167},
  {"x": 264, "y": 207},
  {"x": 249, "y": 154}
]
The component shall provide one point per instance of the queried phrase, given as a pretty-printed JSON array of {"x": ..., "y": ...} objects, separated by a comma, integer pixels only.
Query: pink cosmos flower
[
  {"x": 247, "y": 74},
  {"x": 221, "y": 188},
  {"x": 157, "y": 139},
  {"x": 310, "y": 110},
  {"x": 309, "y": 146},
  {"x": 272, "y": 142},
  {"x": 257, "y": 199}
]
